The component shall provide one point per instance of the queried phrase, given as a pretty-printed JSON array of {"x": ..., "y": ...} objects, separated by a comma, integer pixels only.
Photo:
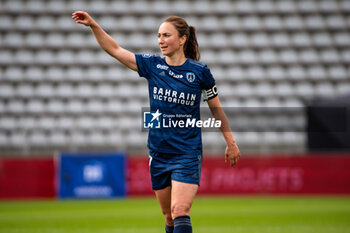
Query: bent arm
[
  {"x": 112, "y": 48},
  {"x": 232, "y": 152},
  {"x": 105, "y": 41}
]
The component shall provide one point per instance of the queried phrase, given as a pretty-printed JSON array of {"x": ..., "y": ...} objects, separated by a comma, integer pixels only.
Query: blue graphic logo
[
  {"x": 152, "y": 120},
  {"x": 190, "y": 77}
]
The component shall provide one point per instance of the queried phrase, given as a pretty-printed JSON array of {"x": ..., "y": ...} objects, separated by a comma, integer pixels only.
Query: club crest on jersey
[{"x": 190, "y": 76}]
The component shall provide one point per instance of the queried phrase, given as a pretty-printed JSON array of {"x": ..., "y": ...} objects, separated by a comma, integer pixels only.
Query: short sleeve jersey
[{"x": 175, "y": 91}]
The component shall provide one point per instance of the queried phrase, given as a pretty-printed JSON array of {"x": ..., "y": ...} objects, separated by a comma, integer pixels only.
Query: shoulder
[
  {"x": 149, "y": 57},
  {"x": 197, "y": 64}
]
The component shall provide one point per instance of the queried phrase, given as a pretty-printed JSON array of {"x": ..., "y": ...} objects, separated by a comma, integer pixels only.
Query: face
[{"x": 169, "y": 41}]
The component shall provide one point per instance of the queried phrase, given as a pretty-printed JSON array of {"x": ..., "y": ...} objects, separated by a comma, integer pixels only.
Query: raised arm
[
  {"x": 232, "y": 152},
  {"x": 105, "y": 41}
]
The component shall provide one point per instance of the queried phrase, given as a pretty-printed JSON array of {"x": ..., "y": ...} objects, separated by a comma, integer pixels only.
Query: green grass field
[{"x": 239, "y": 214}]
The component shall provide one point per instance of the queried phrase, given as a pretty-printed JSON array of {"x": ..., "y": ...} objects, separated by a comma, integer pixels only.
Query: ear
[{"x": 183, "y": 39}]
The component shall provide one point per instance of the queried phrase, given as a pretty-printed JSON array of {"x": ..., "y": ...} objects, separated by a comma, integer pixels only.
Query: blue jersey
[{"x": 175, "y": 92}]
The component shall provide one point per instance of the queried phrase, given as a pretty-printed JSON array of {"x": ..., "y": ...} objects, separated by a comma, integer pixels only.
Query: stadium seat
[
  {"x": 78, "y": 139},
  {"x": 75, "y": 107},
  {"x": 345, "y": 56},
  {"x": 114, "y": 107},
  {"x": 308, "y": 6},
  {"x": 286, "y": 7},
  {"x": 98, "y": 7},
  {"x": 8, "y": 123},
  {"x": 96, "y": 139},
  {"x": 294, "y": 23},
  {"x": 284, "y": 89},
  {"x": 85, "y": 123},
  {"x": 65, "y": 123},
  {"x": 314, "y": 22},
  {"x": 24, "y": 23},
  {"x": 327, "y": 6},
  {"x": 64, "y": 23},
  {"x": 27, "y": 123},
  {"x": 288, "y": 56},
  {"x": 330, "y": 56},
  {"x": 45, "y": 91},
  {"x": 22, "y": 57},
  {"x": 317, "y": 73},
  {"x": 35, "y": 7},
  {"x": 222, "y": 7},
  {"x": 4, "y": 141},
  {"x": 17, "y": 139},
  {"x": 34, "y": 73},
  {"x": 34, "y": 40},
  {"x": 264, "y": 90},
  {"x": 15, "y": 106},
  {"x": 56, "y": 107},
  {"x": 106, "y": 123},
  {"x": 66, "y": 57},
  {"x": 239, "y": 40},
  {"x": 342, "y": 39},
  {"x": 344, "y": 5},
  {"x": 324, "y": 89},
  {"x": 268, "y": 56},
  {"x": 202, "y": 7},
  {"x": 309, "y": 56},
  {"x": 265, "y": 7},
  {"x": 55, "y": 74},
  {"x": 260, "y": 40},
  {"x": 231, "y": 23},
  {"x": 160, "y": 7},
  {"x": 236, "y": 73},
  {"x": 296, "y": 73},
  {"x": 338, "y": 72},
  {"x": 45, "y": 23},
  {"x": 95, "y": 107},
  {"x": 56, "y": 7},
  {"x": 25, "y": 91},
  {"x": 301, "y": 40},
  {"x": 343, "y": 88},
  {"x": 57, "y": 138},
  {"x": 13, "y": 7},
  {"x": 305, "y": 90},
  {"x": 322, "y": 39},
  {"x": 13, "y": 73},
  {"x": 13, "y": 40},
  {"x": 280, "y": 40},
  {"x": 272, "y": 23},
  {"x": 6, "y": 91},
  {"x": 218, "y": 41},
  {"x": 275, "y": 73},
  {"x": 35, "y": 106},
  {"x": 252, "y": 23},
  {"x": 256, "y": 73},
  {"x": 46, "y": 123},
  {"x": 335, "y": 22},
  {"x": 248, "y": 57}
]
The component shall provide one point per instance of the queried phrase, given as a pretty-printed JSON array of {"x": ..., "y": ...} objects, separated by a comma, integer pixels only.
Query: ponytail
[{"x": 191, "y": 48}]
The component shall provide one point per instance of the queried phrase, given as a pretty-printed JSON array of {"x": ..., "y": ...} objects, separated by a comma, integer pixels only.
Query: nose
[{"x": 160, "y": 40}]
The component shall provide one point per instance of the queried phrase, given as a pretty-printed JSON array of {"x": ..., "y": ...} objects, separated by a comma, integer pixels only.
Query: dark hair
[{"x": 191, "y": 48}]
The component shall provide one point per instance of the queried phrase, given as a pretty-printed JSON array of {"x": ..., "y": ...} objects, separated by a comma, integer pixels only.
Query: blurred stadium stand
[{"x": 60, "y": 91}]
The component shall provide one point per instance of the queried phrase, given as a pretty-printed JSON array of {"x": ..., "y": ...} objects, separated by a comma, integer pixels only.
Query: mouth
[{"x": 163, "y": 47}]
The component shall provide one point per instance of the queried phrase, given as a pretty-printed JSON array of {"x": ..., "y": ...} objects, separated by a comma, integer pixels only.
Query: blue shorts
[{"x": 167, "y": 167}]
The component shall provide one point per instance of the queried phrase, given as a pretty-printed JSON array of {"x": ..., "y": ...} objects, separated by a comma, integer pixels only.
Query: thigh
[
  {"x": 164, "y": 199},
  {"x": 182, "y": 194}
]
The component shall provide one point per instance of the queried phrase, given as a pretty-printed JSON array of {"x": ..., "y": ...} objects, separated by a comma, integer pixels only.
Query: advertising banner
[
  {"x": 27, "y": 178},
  {"x": 91, "y": 175},
  {"x": 307, "y": 174}
]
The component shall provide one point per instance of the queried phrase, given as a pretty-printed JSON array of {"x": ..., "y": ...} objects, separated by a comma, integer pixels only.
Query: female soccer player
[{"x": 175, "y": 82}]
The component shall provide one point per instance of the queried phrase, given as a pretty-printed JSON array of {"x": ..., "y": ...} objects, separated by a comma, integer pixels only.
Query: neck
[{"x": 176, "y": 59}]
